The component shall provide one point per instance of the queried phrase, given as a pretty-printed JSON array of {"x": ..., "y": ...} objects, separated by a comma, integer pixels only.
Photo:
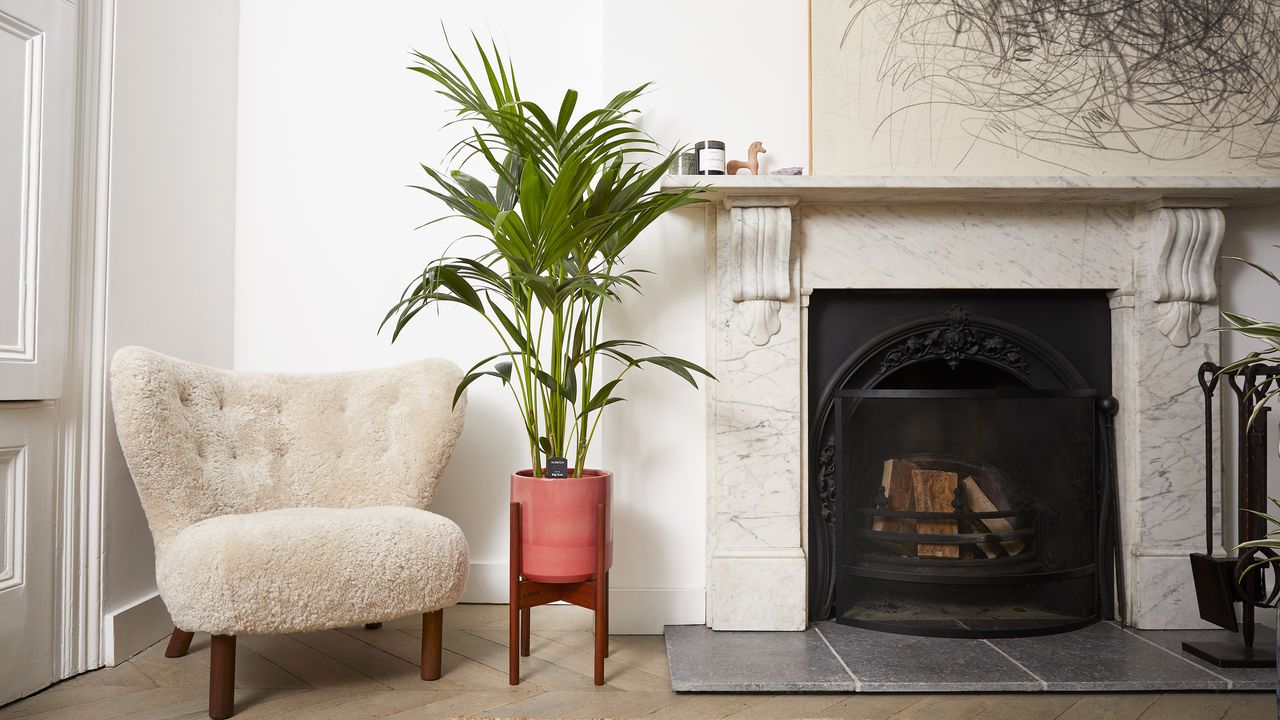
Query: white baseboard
[
  {"x": 130, "y": 630},
  {"x": 487, "y": 583},
  {"x": 632, "y": 611},
  {"x": 646, "y": 611}
]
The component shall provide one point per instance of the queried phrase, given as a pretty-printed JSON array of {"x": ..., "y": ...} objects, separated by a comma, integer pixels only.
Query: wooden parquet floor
[{"x": 356, "y": 674}]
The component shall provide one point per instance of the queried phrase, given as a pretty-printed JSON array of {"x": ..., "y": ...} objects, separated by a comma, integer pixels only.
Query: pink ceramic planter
[{"x": 558, "y": 524}]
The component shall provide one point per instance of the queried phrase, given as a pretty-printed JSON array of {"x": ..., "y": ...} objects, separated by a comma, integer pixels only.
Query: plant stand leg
[
  {"x": 179, "y": 643},
  {"x": 602, "y": 614},
  {"x": 513, "y": 614},
  {"x": 592, "y": 594},
  {"x": 525, "y": 615}
]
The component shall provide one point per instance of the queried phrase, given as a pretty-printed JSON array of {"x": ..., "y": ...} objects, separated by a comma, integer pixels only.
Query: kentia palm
[{"x": 570, "y": 196}]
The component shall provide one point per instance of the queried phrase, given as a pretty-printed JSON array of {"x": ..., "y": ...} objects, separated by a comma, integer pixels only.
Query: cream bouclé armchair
[{"x": 288, "y": 503}]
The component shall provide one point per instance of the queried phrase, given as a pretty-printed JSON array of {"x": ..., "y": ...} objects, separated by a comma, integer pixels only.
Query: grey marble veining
[
  {"x": 965, "y": 246},
  {"x": 756, "y": 579}
]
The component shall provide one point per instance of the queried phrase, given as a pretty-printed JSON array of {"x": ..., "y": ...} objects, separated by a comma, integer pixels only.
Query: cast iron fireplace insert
[{"x": 963, "y": 474}]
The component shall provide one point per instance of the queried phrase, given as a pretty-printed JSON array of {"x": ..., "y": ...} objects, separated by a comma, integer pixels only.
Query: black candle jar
[{"x": 710, "y": 157}]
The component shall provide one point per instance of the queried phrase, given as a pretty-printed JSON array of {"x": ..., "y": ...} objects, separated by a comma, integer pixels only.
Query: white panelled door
[
  {"x": 28, "y": 636},
  {"x": 37, "y": 125}
]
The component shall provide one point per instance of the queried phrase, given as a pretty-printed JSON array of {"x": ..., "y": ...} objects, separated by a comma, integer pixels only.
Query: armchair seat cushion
[{"x": 310, "y": 568}]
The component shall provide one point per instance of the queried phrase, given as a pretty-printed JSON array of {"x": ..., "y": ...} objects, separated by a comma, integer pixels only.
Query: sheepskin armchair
[{"x": 287, "y": 503}]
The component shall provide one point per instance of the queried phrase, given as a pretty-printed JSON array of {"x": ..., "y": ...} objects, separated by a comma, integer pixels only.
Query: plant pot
[{"x": 558, "y": 524}]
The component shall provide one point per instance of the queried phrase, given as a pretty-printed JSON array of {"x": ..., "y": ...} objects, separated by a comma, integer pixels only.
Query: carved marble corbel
[
  {"x": 1188, "y": 239},
  {"x": 760, "y": 270}
]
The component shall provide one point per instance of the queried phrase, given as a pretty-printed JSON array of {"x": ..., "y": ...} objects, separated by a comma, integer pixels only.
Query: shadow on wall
[
  {"x": 1251, "y": 234},
  {"x": 655, "y": 443},
  {"x": 475, "y": 490}
]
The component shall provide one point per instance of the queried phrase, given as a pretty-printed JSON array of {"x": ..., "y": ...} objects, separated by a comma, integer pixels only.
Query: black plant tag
[{"x": 557, "y": 467}]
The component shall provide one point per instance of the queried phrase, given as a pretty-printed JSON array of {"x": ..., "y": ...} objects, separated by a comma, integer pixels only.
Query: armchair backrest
[{"x": 202, "y": 442}]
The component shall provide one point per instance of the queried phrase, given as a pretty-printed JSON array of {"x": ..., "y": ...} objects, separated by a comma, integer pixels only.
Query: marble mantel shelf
[{"x": 900, "y": 189}]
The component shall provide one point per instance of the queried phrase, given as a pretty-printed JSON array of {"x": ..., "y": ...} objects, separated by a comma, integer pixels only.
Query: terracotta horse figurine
[{"x": 752, "y": 162}]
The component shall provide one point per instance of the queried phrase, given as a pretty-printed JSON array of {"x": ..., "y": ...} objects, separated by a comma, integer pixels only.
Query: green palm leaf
[{"x": 569, "y": 196}]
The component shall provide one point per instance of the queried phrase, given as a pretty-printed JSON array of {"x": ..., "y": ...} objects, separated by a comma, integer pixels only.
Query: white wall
[
  {"x": 656, "y": 442},
  {"x": 170, "y": 243},
  {"x": 331, "y": 127},
  {"x": 1251, "y": 234}
]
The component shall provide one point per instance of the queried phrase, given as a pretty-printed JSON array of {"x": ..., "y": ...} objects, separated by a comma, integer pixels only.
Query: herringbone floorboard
[{"x": 356, "y": 674}]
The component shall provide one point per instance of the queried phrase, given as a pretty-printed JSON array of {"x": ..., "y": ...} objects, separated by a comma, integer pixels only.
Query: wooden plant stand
[{"x": 592, "y": 594}]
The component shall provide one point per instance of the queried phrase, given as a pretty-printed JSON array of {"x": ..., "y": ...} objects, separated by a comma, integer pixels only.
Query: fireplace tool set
[{"x": 1223, "y": 581}]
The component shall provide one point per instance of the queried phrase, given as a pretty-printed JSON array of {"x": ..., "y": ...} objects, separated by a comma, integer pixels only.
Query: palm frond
[{"x": 570, "y": 196}]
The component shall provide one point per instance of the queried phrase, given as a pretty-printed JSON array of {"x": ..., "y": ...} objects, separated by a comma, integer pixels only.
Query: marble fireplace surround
[{"x": 1151, "y": 243}]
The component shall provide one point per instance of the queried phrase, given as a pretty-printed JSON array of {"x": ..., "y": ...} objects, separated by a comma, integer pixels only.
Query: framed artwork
[{"x": 1045, "y": 87}]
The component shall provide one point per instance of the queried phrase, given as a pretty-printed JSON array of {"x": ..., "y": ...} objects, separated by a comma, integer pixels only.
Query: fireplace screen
[
  {"x": 962, "y": 462},
  {"x": 967, "y": 511}
]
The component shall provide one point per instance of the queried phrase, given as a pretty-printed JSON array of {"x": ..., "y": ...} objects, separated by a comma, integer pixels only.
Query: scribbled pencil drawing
[{"x": 1162, "y": 80}]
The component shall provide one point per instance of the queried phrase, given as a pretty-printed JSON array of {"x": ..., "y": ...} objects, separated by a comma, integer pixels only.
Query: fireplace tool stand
[{"x": 1222, "y": 581}]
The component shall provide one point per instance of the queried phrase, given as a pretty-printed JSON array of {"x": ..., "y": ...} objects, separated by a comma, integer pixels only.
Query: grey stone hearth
[{"x": 828, "y": 657}]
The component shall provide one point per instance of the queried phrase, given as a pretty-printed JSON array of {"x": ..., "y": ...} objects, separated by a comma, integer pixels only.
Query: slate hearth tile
[
  {"x": 886, "y": 662},
  {"x": 1241, "y": 678},
  {"x": 1103, "y": 657},
  {"x": 704, "y": 660}
]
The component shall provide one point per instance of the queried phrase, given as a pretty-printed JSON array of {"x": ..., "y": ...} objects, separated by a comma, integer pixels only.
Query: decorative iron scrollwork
[
  {"x": 827, "y": 481},
  {"x": 954, "y": 342}
]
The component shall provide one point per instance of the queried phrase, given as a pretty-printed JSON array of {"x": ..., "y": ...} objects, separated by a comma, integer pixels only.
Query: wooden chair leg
[
  {"x": 222, "y": 677},
  {"x": 432, "y": 643},
  {"x": 179, "y": 643},
  {"x": 525, "y": 615},
  {"x": 372, "y": 626}
]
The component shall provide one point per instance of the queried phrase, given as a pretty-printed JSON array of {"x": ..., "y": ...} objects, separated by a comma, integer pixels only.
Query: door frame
[{"x": 84, "y": 405}]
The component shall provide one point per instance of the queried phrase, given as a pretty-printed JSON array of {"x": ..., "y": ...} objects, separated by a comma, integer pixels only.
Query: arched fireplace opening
[{"x": 962, "y": 472}]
